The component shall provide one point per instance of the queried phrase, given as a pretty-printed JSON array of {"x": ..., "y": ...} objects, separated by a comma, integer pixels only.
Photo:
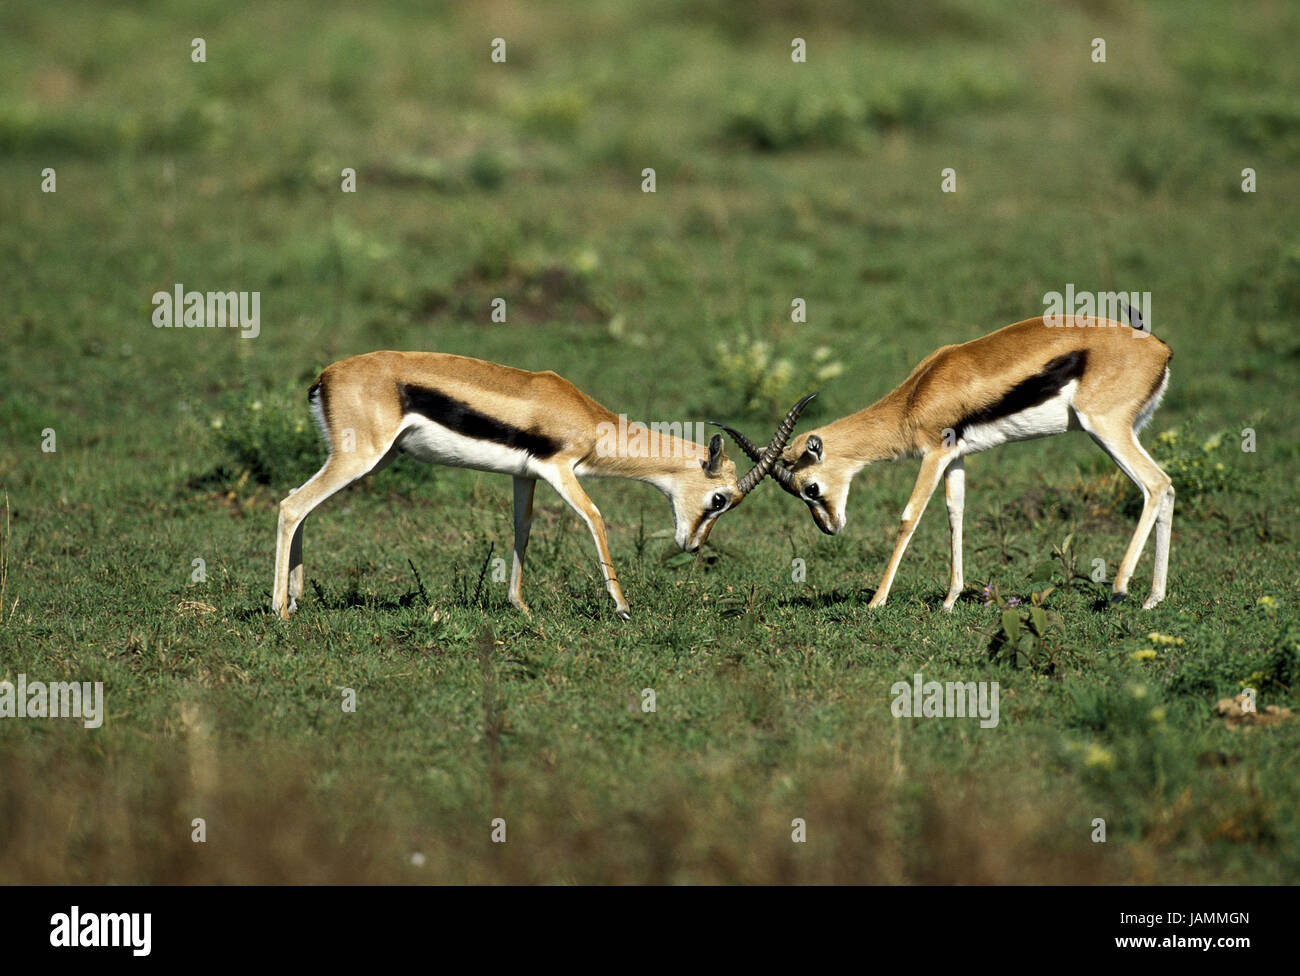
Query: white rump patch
[
  {"x": 318, "y": 412},
  {"x": 1149, "y": 408}
]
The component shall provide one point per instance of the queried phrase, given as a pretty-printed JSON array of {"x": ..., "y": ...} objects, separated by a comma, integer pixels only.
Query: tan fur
[
  {"x": 1123, "y": 373},
  {"x": 360, "y": 395}
]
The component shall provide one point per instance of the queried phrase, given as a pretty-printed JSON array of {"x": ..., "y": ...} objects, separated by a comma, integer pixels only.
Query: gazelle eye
[
  {"x": 718, "y": 502},
  {"x": 812, "y": 491}
]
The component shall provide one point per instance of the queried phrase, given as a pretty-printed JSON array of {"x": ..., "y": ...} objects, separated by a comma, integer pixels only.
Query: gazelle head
[
  {"x": 701, "y": 494},
  {"x": 807, "y": 470}
]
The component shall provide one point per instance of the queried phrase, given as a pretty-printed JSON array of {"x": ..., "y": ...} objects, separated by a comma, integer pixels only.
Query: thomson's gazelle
[
  {"x": 467, "y": 413},
  {"x": 1024, "y": 381}
]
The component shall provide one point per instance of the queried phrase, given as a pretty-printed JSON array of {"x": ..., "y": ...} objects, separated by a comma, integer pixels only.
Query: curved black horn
[
  {"x": 765, "y": 463},
  {"x": 781, "y": 474},
  {"x": 743, "y": 442}
]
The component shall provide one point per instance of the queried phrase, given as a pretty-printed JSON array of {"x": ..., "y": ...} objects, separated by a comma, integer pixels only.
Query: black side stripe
[
  {"x": 1031, "y": 392},
  {"x": 464, "y": 419}
]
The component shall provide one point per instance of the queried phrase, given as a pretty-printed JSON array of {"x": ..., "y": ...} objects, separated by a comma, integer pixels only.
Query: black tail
[{"x": 1135, "y": 318}]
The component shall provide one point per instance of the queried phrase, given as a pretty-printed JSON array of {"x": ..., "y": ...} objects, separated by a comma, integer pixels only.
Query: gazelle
[
  {"x": 466, "y": 413},
  {"x": 1027, "y": 380}
]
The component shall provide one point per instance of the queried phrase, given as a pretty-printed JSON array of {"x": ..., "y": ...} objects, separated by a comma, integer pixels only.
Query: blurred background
[{"x": 775, "y": 180}]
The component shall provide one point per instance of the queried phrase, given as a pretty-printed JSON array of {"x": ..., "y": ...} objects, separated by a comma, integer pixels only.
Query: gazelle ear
[
  {"x": 715, "y": 454},
  {"x": 813, "y": 447}
]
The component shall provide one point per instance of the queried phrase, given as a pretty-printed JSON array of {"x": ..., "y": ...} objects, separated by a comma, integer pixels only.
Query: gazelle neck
[
  {"x": 668, "y": 459},
  {"x": 876, "y": 433}
]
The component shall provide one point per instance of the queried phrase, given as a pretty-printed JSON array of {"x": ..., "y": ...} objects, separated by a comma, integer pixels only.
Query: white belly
[
  {"x": 1053, "y": 416},
  {"x": 435, "y": 444}
]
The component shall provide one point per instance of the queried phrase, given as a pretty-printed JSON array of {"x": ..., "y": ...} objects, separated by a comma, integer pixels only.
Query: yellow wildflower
[{"x": 1098, "y": 757}]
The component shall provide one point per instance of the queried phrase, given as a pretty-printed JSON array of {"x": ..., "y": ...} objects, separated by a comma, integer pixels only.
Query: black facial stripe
[
  {"x": 1031, "y": 392},
  {"x": 695, "y": 529},
  {"x": 464, "y": 419}
]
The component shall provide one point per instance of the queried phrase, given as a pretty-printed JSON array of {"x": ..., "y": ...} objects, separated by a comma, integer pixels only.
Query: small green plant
[
  {"x": 1196, "y": 468},
  {"x": 270, "y": 436},
  {"x": 1287, "y": 641},
  {"x": 800, "y": 119},
  {"x": 1280, "y": 670},
  {"x": 1028, "y": 636},
  {"x": 1061, "y": 567},
  {"x": 845, "y": 109},
  {"x": 765, "y": 384},
  {"x": 1216, "y": 664}
]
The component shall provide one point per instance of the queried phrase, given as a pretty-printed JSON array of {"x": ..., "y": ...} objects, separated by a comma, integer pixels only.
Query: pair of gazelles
[{"x": 1032, "y": 379}]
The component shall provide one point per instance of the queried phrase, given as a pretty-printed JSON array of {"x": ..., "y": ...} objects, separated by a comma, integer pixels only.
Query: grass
[{"x": 522, "y": 180}]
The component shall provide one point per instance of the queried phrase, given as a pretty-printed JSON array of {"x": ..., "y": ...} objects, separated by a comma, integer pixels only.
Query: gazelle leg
[
  {"x": 932, "y": 468},
  {"x": 566, "y": 483},
  {"x": 1164, "y": 529},
  {"x": 340, "y": 470},
  {"x": 295, "y": 569},
  {"x": 955, "y": 494},
  {"x": 524, "y": 488},
  {"x": 1121, "y": 443}
]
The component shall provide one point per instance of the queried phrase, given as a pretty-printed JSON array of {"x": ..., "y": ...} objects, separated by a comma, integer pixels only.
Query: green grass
[{"x": 522, "y": 180}]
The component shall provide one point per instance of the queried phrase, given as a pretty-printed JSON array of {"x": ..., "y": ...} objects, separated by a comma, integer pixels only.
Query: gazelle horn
[
  {"x": 743, "y": 442},
  {"x": 766, "y": 461}
]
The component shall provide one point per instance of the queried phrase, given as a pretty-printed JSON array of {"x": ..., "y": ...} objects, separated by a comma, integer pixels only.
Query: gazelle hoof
[
  {"x": 624, "y": 615},
  {"x": 1152, "y": 600},
  {"x": 1117, "y": 598}
]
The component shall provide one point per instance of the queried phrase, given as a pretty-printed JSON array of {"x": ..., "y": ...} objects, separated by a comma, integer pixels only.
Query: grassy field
[{"x": 522, "y": 180}]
